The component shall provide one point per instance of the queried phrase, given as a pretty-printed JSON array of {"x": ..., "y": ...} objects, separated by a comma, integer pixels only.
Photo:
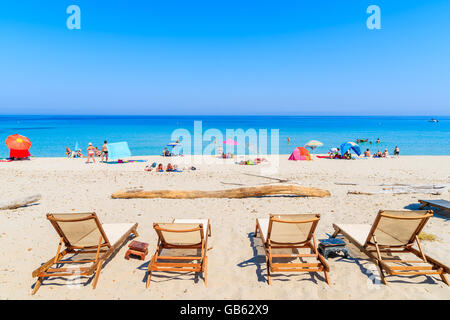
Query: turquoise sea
[{"x": 147, "y": 135}]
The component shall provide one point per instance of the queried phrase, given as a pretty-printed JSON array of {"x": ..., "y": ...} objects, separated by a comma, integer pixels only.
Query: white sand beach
[{"x": 236, "y": 264}]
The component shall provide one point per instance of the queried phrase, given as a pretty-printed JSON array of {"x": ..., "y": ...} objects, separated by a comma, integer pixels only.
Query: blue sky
[{"x": 225, "y": 57}]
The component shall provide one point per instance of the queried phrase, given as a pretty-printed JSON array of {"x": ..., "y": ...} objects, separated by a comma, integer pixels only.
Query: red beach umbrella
[{"x": 18, "y": 142}]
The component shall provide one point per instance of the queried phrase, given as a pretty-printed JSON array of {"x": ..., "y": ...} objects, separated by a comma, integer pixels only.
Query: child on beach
[
  {"x": 91, "y": 153},
  {"x": 367, "y": 153},
  {"x": 160, "y": 168},
  {"x": 385, "y": 153},
  {"x": 169, "y": 168}
]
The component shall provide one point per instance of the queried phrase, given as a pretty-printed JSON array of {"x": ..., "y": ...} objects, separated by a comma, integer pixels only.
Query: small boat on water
[{"x": 433, "y": 120}]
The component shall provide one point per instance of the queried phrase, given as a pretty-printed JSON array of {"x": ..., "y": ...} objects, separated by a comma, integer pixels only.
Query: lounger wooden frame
[
  {"x": 373, "y": 250},
  {"x": 102, "y": 251},
  {"x": 200, "y": 266},
  {"x": 309, "y": 243},
  {"x": 435, "y": 203}
]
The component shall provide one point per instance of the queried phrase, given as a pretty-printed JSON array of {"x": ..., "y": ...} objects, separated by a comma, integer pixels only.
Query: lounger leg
[
  {"x": 336, "y": 232},
  {"x": 205, "y": 271},
  {"x": 38, "y": 284},
  {"x": 444, "y": 278},
  {"x": 327, "y": 279},
  {"x": 256, "y": 230},
  {"x": 423, "y": 205},
  {"x": 97, "y": 274},
  {"x": 268, "y": 270},
  {"x": 136, "y": 234},
  {"x": 382, "y": 276},
  {"x": 149, "y": 276}
]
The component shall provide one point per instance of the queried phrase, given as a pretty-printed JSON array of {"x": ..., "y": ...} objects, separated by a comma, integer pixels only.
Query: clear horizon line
[{"x": 227, "y": 115}]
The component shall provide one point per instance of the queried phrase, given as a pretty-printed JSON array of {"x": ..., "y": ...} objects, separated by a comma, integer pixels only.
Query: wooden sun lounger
[
  {"x": 82, "y": 233},
  {"x": 441, "y": 204},
  {"x": 181, "y": 234},
  {"x": 394, "y": 232},
  {"x": 291, "y": 231}
]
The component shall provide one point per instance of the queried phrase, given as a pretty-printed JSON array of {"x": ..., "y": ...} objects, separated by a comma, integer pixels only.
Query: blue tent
[
  {"x": 119, "y": 150},
  {"x": 350, "y": 146}
]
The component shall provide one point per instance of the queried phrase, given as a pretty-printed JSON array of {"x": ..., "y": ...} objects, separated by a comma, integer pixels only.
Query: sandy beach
[{"x": 236, "y": 265}]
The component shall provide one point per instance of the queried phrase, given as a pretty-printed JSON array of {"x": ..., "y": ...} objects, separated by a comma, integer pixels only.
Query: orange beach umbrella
[{"x": 18, "y": 142}]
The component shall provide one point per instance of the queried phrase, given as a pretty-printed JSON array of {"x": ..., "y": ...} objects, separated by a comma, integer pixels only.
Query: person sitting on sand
[
  {"x": 378, "y": 154},
  {"x": 160, "y": 168},
  {"x": 169, "y": 168},
  {"x": 148, "y": 168},
  {"x": 396, "y": 151},
  {"x": 76, "y": 154},
  {"x": 68, "y": 152},
  {"x": 175, "y": 168},
  {"x": 91, "y": 153},
  {"x": 166, "y": 153},
  {"x": 347, "y": 155},
  {"x": 385, "y": 153},
  {"x": 367, "y": 153}
]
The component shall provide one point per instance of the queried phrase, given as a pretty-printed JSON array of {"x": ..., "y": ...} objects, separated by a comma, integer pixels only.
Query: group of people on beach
[
  {"x": 337, "y": 155},
  {"x": 380, "y": 154},
  {"x": 160, "y": 168},
  {"x": 92, "y": 152}
]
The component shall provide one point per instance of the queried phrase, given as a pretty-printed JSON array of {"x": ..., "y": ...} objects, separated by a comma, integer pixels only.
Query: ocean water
[{"x": 148, "y": 135}]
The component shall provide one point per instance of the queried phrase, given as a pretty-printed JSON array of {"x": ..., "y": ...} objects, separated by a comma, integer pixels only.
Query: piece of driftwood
[
  {"x": 17, "y": 203},
  {"x": 246, "y": 192}
]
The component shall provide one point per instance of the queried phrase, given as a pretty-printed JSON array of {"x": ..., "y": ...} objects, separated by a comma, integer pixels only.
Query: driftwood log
[
  {"x": 247, "y": 192},
  {"x": 17, "y": 203}
]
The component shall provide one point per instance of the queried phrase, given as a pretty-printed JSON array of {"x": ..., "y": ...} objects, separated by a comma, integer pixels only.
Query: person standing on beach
[
  {"x": 105, "y": 151},
  {"x": 91, "y": 153},
  {"x": 396, "y": 151}
]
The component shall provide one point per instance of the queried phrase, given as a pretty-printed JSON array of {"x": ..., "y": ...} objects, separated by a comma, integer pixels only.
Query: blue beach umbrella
[
  {"x": 172, "y": 144},
  {"x": 350, "y": 146},
  {"x": 119, "y": 150}
]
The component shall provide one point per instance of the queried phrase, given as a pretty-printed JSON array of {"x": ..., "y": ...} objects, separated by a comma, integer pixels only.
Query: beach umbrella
[
  {"x": 172, "y": 144},
  {"x": 230, "y": 142},
  {"x": 313, "y": 144},
  {"x": 350, "y": 145},
  {"x": 119, "y": 150},
  {"x": 18, "y": 142}
]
